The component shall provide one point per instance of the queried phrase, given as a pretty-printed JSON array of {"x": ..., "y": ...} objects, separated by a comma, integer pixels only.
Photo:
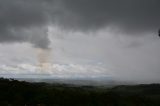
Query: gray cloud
[
  {"x": 130, "y": 15},
  {"x": 27, "y": 21},
  {"x": 24, "y": 21}
]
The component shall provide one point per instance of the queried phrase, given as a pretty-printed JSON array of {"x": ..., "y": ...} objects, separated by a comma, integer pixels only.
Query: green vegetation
[{"x": 20, "y": 93}]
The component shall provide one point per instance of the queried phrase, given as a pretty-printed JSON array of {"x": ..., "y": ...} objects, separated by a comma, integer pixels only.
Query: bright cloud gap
[{"x": 71, "y": 71}]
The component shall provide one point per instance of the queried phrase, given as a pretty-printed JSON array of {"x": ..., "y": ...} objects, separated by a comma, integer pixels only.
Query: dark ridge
[{"x": 21, "y": 93}]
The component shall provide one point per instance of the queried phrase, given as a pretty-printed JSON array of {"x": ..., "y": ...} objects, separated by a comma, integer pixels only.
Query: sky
[{"x": 105, "y": 39}]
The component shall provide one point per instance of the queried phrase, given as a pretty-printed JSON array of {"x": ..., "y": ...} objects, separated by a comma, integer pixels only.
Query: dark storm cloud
[
  {"x": 130, "y": 15},
  {"x": 22, "y": 20},
  {"x": 26, "y": 20}
]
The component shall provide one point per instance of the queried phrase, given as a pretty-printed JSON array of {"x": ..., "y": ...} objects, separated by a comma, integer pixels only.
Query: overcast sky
[{"x": 115, "y": 39}]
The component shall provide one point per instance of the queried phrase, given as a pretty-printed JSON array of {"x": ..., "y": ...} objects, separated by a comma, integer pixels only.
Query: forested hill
[{"x": 21, "y": 93}]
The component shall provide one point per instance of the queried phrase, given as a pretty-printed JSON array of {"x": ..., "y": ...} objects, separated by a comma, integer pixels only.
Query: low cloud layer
[{"x": 62, "y": 71}]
